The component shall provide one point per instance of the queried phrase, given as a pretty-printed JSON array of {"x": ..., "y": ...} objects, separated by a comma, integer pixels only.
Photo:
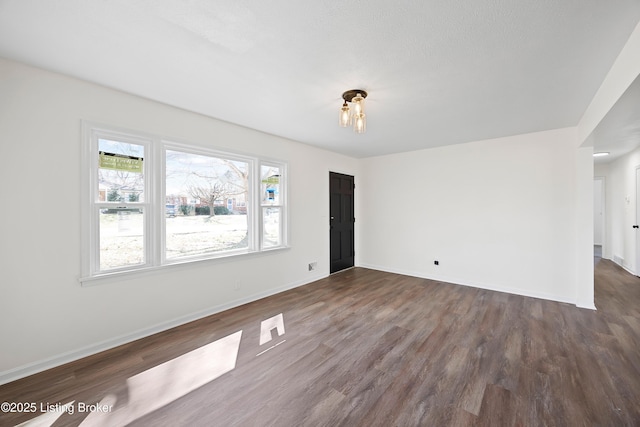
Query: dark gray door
[{"x": 341, "y": 217}]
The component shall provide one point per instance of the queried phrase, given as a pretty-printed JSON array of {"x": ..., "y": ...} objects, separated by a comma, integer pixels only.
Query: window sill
[{"x": 102, "y": 278}]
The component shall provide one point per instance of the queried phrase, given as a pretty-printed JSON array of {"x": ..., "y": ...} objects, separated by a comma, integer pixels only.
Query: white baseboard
[
  {"x": 455, "y": 281},
  {"x": 587, "y": 306},
  {"x": 628, "y": 270},
  {"x": 61, "y": 359}
]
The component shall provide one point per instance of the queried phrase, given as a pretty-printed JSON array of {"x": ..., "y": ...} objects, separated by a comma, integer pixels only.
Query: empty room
[{"x": 244, "y": 213}]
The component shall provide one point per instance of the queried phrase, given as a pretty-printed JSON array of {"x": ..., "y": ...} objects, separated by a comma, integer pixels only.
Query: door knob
[{"x": 636, "y": 226}]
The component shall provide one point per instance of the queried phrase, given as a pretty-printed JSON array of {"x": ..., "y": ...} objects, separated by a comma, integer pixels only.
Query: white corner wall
[
  {"x": 46, "y": 317},
  {"x": 498, "y": 214},
  {"x": 583, "y": 223}
]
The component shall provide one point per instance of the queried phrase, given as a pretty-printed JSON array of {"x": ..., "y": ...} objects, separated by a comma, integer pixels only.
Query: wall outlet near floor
[
  {"x": 436, "y": 262},
  {"x": 312, "y": 266},
  {"x": 237, "y": 285}
]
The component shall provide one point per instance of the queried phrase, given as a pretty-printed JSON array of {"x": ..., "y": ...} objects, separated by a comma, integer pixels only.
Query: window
[
  {"x": 203, "y": 186},
  {"x": 271, "y": 205},
  {"x": 151, "y": 203}
]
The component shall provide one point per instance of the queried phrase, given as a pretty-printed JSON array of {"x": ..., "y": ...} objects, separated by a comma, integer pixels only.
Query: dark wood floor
[{"x": 365, "y": 348}]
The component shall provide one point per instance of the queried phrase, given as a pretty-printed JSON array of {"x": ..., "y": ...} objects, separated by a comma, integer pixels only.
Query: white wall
[
  {"x": 498, "y": 214},
  {"x": 598, "y": 225},
  {"x": 46, "y": 317},
  {"x": 583, "y": 223},
  {"x": 601, "y": 171}
]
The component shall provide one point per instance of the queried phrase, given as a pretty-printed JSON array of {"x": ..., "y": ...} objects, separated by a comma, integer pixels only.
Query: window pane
[
  {"x": 271, "y": 220},
  {"x": 203, "y": 234},
  {"x": 121, "y": 238},
  {"x": 209, "y": 199},
  {"x": 270, "y": 185},
  {"x": 120, "y": 172}
]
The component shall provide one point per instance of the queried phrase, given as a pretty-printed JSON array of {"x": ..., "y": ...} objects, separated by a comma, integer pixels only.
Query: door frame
[
  {"x": 603, "y": 207},
  {"x": 636, "y": 267},
  {"x": 353, "y": 177}
]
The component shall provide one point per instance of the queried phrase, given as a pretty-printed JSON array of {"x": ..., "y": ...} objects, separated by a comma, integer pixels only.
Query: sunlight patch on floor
[
  {"x": 266, "y": 326},
  {"x": 48, "y": 418},
  {"x": 165, "y": 383}
]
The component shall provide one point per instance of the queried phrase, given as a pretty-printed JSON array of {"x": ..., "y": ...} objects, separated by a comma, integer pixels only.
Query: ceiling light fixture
[
  {"x": 601, "y": 154},
  {"x": 353, "y": 115}
]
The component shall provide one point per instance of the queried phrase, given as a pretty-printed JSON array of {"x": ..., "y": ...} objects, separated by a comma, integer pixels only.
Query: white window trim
[
  {"x": 154, "y": 211},
  {"x": 282, "y": 204}
]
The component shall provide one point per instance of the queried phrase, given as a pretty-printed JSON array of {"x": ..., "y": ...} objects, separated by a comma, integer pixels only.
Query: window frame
[
  {"x": 153, "y": 206},
  {"x": 167, "y": 145},
  {"x": 282, "y": 204}
]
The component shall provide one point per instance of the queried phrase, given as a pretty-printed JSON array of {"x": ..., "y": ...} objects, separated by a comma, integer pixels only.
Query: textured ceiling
[{"x": 437, "y": 72}]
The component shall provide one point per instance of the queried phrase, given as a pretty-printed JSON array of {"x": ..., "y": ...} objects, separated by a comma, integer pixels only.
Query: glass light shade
[
  {"x": 360, "y": 123},
  {"x": 345, "y": 118},
  {"x": 358, "y": 104}
]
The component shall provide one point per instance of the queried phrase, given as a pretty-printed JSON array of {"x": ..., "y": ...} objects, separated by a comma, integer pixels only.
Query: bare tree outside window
[
  {"x": 215, "y": 190},
  {"x": 212, "y": 190}
]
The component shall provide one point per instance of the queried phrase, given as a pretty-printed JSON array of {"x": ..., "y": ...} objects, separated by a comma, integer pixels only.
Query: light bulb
[
  {"x": 345, "y": 118},
  {"x": 358, "y": 104},
  {"x": 360, "y": 123}
]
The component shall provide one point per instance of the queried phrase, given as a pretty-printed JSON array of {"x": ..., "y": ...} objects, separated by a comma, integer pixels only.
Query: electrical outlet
[
  {"x": 436, "y": 262},
  {"x": 312, "y": 266},
  {"x": 237, "y": 286}
]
